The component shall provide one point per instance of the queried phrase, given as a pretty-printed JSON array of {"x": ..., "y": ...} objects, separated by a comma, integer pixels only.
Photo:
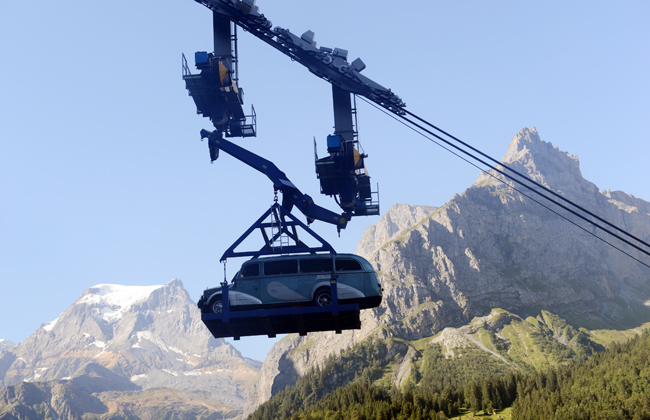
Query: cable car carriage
[{"x": 298, "y": 291}]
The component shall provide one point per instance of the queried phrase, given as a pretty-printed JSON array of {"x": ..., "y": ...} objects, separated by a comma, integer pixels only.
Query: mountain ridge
[
  {"x": 97, "y": 392},
  {"x": 491, "y": 247},
  {"x": 398, "y": 218},
  {"x": 6, "y": 344},
  {"x": 151, "y": 336}
]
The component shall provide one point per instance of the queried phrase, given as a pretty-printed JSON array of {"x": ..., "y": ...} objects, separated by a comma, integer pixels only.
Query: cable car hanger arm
[{"x": 291, "y": 195}]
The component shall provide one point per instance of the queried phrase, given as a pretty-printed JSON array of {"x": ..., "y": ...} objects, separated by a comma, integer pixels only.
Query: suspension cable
[
  {"x": 527, "y": 178},
  {"x": 413, "y": 124}
]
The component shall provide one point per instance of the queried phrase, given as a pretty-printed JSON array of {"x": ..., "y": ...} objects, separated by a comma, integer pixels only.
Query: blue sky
[{"x": 103, "y": 178}]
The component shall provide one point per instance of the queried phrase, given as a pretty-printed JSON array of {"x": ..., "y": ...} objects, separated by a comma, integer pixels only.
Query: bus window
[
  {"x": 280, "y": 267},
  {"x": 250, "y": 270},
  {"x": 316, "y": 265},
  {"x": 347, "y": 264}
]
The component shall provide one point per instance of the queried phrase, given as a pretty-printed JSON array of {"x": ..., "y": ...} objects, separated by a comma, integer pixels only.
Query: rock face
[
  {"x": 151, "y": 336},
  {"x": 96, "y": 392},
  {"x": 6, "y": 344},
  {"x": 490, "y": 247},
  {"x": 398, "y": 218},
  {"x": 62, "y": 399}
]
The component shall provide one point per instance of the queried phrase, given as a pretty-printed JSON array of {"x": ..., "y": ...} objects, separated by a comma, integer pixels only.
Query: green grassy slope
[{"x": 487, "y": 366}]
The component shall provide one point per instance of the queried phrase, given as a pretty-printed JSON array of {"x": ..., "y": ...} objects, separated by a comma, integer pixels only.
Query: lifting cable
[{"x": 411, "y": 124}]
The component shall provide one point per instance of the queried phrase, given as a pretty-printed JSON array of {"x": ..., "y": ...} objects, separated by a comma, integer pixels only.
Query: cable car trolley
[{"x": 288, "y": 286}]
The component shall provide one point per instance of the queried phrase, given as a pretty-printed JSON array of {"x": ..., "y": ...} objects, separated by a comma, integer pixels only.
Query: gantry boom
[{"x": 327, "y": 63}]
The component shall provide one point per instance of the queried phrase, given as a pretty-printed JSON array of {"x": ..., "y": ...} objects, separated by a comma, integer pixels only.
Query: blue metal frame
[
  {"x": 279, "y": 215},
  {"x": 291, "y": 195},
  {"x": 284, "y": 320}
]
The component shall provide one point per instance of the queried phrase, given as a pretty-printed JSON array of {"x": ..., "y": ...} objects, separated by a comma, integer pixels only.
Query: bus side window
[
  {"x": 280, "y": 267},
  {"x": 315, "y": 265},
  {"x": 347, "y": 264},
  {"x": 251, "y": 270}
]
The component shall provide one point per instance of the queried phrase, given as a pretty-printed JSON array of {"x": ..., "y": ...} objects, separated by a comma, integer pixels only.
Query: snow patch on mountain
[
  {"x": 48, "y": 327},
  {"x": 199, "y": 373},
  {"x": 151, "y": 337},
  {"x": 99, "y": 344},
  {"x": 6, "y": 344},
  {"x": 114, "y": 299}
]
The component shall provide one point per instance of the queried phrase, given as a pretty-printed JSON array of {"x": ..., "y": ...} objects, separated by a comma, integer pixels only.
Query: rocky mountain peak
[
  {"x": 150, "y": 335},
  {"x": 6, "y": 344},
  {"x": 111, "y": 301},
  {"x": 528, "y": 146},
  {"x": 544, "y": 163}
]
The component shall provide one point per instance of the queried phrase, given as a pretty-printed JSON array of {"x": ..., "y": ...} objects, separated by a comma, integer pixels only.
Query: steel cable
[
  {"x": 528, "y": 179},
  {"x": 397, "y": 117}
]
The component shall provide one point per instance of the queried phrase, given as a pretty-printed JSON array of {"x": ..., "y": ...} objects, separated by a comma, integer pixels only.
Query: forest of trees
[
  {"x": 362, "y": 363},
  {"x": 610, "y": 385}
]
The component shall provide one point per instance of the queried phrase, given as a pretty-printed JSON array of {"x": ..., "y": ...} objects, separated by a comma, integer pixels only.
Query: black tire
[
  {"x": 323, "y": 297},
  {"x": 215, "y": 306}
]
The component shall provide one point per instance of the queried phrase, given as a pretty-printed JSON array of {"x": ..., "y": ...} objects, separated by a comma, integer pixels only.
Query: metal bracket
[{"x": 282, "y": 223}]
